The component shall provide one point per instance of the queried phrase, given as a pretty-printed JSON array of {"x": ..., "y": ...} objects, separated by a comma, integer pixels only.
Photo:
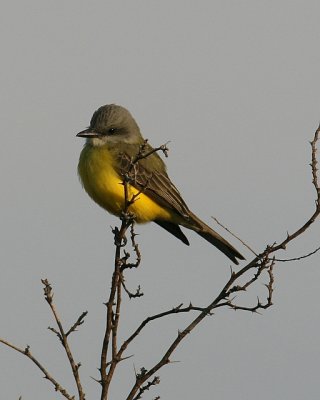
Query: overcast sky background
[{"x": 234, "y": 86}]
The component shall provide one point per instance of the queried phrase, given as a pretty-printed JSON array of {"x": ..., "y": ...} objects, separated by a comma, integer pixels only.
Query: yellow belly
[{"x": 105, "y": 187}]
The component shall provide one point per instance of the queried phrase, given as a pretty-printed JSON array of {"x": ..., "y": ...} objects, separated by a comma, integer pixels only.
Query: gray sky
[{"x": 234, "y": 85}]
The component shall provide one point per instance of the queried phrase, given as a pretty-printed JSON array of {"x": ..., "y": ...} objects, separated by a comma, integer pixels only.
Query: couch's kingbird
[{"x": 113, "y": 139}]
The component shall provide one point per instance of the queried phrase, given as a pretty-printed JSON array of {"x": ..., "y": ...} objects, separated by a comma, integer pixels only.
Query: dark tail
[
  {"x": 204, "y": 231},
  {"x": 214, "y": 238}
]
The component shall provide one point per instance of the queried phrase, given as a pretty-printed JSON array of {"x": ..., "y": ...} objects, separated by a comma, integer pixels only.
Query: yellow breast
[{"x": 104, "y": 186}]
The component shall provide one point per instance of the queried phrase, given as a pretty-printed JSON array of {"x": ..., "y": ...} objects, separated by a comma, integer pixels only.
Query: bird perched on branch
[{"x": 113, "y": 141}]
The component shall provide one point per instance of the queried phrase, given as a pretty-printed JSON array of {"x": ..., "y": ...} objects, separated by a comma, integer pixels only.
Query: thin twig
[
  {"x": 235, "y": 236},
  {"x": 298, "y": 258},
  {"x": 78, "y": 322},
  {"x": 269, "y": 286},
  {"x": 260, "y": 262},
  {"x": 108, "y": 367},
  {"x": 176, "y": 310},
  {"x": 131, "y": 295},
  {"x": 48, "y": 292},
  {"x": 315, "y": 181},
  {"x": 153, "y": 382},
  {"x": 47, "y": 375}
]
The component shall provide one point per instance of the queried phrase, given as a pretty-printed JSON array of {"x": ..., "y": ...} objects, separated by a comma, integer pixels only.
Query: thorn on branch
[
  {"x": 142, "y": 373},
  {"x": 265, "y": 264},
  {"x": 144, "y": 154},
  {"x": 124, "y": 260},
  {"x": 147, "y": 386},
  {"x": 119, "y": 239}
]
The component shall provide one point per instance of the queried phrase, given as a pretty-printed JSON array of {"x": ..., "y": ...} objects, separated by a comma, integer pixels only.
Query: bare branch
[
  {"x": 153, "y": 382},
  {"x": 298, "y": 258},
  {"x": 269, "y": 287},
  {"x": 315, "y": 181},
  {"x": 108, "y": 367},
  {"x": 112, "y": 354},
  {"x": 143, "y": 154},
  {"x": 135, "y": 246},
  {"x": 260, "y": 263},
  {"x": 78, "y": 322},
  {"x": 48, "y": 292},
  {"x": 175, "y": 310},
  {"x": 47, "y": 375},
  {"x": 131, "y": 295}
]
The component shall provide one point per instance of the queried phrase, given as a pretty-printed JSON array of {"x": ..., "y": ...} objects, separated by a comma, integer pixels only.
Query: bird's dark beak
[{"x": 88, "y": 133}]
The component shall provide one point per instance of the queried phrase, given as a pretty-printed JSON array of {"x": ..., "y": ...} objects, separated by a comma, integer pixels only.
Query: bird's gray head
[{"x": 111, "y": 124}]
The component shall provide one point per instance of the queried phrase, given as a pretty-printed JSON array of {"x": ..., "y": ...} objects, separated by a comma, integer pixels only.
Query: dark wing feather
[
  {"x": 174, "y": 229},
  {"x": 155, "y": 183},
  {"x": 153, "y": 180}
]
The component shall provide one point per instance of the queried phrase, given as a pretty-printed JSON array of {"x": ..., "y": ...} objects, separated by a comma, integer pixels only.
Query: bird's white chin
[{"x": 96, "y": 141}]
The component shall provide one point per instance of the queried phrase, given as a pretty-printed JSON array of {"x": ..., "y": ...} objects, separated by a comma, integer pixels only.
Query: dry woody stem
[
  {"x": 112, "y": 352},
  {"x": 262, "y": 263}
]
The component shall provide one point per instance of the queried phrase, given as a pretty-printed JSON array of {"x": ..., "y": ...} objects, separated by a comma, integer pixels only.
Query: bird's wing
[{"x": 153, "y": 181}]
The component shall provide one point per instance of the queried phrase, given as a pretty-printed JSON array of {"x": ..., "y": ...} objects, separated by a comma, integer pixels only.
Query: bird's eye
[{"x": 112, "y": 131}]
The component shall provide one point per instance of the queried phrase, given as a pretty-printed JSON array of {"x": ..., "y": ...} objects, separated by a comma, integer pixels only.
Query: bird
[{"x": 113, "y": 140}]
